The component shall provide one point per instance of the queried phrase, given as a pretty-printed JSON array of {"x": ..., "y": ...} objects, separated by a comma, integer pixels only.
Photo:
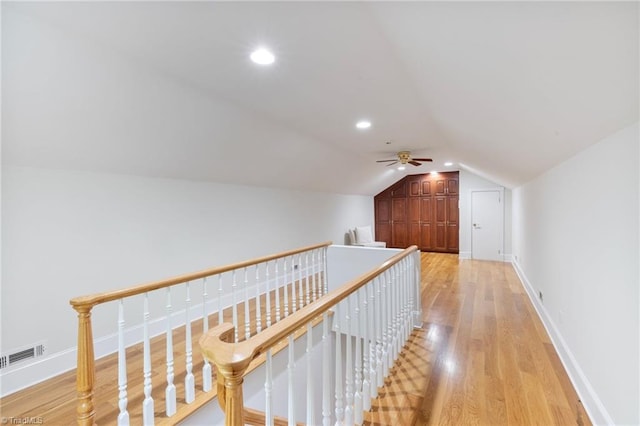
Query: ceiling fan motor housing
[{"x": 404, "y": 157}]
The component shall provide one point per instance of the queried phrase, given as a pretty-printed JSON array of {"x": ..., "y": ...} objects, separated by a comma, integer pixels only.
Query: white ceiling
[{"x": 504, "y": 89}]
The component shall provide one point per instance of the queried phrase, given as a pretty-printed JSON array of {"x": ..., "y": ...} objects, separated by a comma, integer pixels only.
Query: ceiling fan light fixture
[{"x": 262, "y": 56}]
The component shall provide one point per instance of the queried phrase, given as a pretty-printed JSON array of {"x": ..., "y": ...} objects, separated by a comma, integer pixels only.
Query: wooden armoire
[{"x": 420, "y": 210}]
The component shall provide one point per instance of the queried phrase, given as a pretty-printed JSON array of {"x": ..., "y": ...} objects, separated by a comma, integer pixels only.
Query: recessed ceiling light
[
  {"x": 262, "y": 56},
  {"x": 448, "y": 163},
  {"x": 401, "y": 167},
  {"x": 363, "y": 124}
]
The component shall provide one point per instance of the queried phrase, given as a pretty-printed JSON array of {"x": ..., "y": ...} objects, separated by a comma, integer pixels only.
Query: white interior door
[{"x": 487, "y": 224}]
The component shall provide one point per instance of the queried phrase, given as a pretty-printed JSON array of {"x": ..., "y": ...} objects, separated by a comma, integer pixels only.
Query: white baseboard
[
  {"x": 464, "y": 255},
  {"x": 590, "y": 400}
]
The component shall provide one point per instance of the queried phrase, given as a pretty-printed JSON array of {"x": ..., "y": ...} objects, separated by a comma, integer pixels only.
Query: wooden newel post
[
  {"x": 86, "y": 368},
  {"x": 231, "y": 366},
  {"x": 234, "y": 402}
]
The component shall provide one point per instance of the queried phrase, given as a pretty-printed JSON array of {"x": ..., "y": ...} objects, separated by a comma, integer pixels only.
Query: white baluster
[
  {"x": 326, "y": 366},
  {"x": 402, "y": 307},
  {"x": 311, "y": 415},
  {"x": 394, "y": 313},
  {"x": 189, "y": 381},
  {"x": 268, "y": 290},
  {"x": 314, "y": 280},
  {"x": 258, "y": 307},
  {"x": 291, "y": 367},
  {"x": 383, "y": 325},
  {"x": 325, "y": 284},
  {"x": 294, "y": 299},
  {"x": 147, "y": 404},
  {"x": 405, "y": 298},
  {"x": 415, "y": 296},
  {"x": 390, "y": 331},
  {"x": 234, "y": 303},
  {"x": 285, "y": 287},
  {"x": 371, "y": 326},
  {"x": 348, "y": 412},
  {"x": 268, "y": 388},
  {"x": 206, "y": 366},
  {"x": 220, "y": 307},
  {"x": 339, "y": 379},
  {"x": 170, "y": 396},
  {"x": 300, "y": 283},
  {"x": 366, "y": 350},
  {"x": 357, "y": 398},
  {"x": 247, "y": 316},
  {"x": 277, "y": 293},
  {"x": 379, "y": 321},
  {"x": 307, "y": 276},
  {"x": 123, "y": 417}
]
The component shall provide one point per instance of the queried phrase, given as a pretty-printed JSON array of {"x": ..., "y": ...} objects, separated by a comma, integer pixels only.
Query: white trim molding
[{"x": 590, "y": 400}]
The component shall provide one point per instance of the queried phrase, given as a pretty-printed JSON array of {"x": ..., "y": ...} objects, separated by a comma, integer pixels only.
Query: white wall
[
  {"x": 468, "y": 182},
  {"x": 575, "y": 239},
  {"x": 67, "y": 234}
]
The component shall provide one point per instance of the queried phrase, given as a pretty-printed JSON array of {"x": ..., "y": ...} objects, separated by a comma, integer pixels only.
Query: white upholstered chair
[{"x": 362, "y": 236}]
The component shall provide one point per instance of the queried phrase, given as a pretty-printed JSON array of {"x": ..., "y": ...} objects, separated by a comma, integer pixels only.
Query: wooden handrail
[
  {"x": 232, "y": 359},
  {"x": 98, "y": 298},
  {"x": 84, "y": 304}
]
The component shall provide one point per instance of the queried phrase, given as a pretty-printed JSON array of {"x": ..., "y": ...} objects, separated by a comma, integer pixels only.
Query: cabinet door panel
[
  {"x": 440, "y": 237},
  {"x": 414, "y": 188},
  {"x": 399, "y": 223},
  {"x": 440, "y": 209},
  {"x": 383, "y": 210},
  {"x": 452, "y": 210},
  {"x": 414, "y": 221},
  {"x": 383, "y": 219},
  {"x": 452, "y": 186},
  {"x": 425, "y": 237},
  {"x": 426, "y": 187}
]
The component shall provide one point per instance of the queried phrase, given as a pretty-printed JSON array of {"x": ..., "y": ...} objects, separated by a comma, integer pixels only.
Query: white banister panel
[
  {"x": 206, "y": 366},
  {"x": 189, "y": 380},
  {"x": 348, "y": 411},
  {"x": 311, "y": 414},
  {"x": 170, "y": 391},
  {"x": 291, "y": 367},
  {"x": 123, "y": 417},
  {"x": 326, "y": 371},
  {"x": 357, "y": 397},
  {"x": 147, "y": 404}
]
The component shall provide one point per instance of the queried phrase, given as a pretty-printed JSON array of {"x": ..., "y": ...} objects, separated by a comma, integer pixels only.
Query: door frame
[{"x": 500, "y": 190}]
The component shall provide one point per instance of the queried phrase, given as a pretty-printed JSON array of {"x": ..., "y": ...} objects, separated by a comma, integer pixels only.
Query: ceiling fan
[{"x": 404, "y": 157}]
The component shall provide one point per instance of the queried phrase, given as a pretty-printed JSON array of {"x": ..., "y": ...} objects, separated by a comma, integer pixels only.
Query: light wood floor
[{"x": 482, "y": 358}]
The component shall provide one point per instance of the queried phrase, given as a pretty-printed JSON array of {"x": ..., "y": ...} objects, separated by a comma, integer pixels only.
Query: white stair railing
[
  {"x": 364, "y": 323},
  {"x": 265, "y": 281}
]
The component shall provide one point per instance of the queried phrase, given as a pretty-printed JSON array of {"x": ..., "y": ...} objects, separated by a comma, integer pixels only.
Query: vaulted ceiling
[{"x": 504, "y": 89}]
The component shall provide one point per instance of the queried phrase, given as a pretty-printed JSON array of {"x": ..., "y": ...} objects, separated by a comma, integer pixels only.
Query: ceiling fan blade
[
  {"x": 415, "y": 163},
  {"x": 391, "y": 164},
  {"x": 384, "y": 161},
  {"x": 422, "y": 159}
]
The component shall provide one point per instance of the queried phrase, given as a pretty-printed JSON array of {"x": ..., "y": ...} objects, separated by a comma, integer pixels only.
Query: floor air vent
[{"x": 23, "y": 354}]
